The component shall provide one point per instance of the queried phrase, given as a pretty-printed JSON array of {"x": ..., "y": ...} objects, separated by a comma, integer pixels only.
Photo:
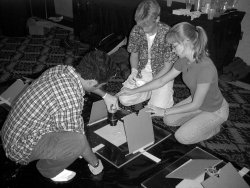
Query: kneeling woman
[{"x": 200, "y": 115}]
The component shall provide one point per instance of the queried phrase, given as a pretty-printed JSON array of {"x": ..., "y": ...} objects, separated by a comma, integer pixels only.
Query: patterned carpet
[{"x": 31, "y": 55}]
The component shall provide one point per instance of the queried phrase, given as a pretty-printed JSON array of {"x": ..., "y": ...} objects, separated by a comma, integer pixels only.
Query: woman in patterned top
[
  {"x": 200, "y": 115},
  {"x": 150, "y": 56},
  {"x": 45, "y": 123}
]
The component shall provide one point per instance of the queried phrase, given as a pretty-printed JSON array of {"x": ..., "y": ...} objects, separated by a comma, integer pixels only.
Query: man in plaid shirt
[{"x": 45, "y": 123}]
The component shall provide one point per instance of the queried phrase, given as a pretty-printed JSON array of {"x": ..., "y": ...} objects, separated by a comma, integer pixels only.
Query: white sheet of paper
[{"x": 113, "y": 134}]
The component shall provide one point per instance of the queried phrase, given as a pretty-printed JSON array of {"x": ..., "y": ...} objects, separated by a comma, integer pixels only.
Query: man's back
[{"x": 51, "y": 104}]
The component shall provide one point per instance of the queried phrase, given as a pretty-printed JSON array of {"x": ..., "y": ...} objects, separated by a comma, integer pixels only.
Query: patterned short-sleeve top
[{"x": 161, "y": 50}]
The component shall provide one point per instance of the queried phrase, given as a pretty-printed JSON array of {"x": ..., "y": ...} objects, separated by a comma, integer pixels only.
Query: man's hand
[
  {"x": 96, "y": 169},
  {"x": 111, "y": 102}
]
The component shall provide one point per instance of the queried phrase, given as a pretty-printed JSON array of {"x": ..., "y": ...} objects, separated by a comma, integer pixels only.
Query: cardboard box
[{"x": 38, "y": 27}]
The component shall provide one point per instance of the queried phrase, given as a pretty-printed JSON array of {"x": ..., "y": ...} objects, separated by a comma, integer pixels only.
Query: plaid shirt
[
  {"x": 53, "y": 103},
  {"x": 161, "y": 50}
]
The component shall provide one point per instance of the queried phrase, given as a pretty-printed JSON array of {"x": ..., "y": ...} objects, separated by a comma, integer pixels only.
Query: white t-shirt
[{"x": 150, "y": 39}]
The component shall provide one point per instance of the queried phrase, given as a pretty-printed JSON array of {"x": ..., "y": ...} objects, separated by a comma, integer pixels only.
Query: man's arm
[
  {"x": 110, "y": 101},
  {"x": 88, "y": 154},
  {"x": 71, "y": 119},
  {"x": 99, "y": 92}
]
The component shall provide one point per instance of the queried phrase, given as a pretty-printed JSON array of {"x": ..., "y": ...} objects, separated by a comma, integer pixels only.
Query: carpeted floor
[{"x": 31, "y": 55}]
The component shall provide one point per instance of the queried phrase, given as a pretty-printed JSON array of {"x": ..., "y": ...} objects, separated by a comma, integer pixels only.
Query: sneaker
[{"x": 64, "y": 176}]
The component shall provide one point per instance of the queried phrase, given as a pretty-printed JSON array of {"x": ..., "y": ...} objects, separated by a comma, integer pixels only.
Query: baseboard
[
  {"x": 62, "y": 26},
  {"x": 241, "y": 84},
  {"x": 66, "y": 23}
]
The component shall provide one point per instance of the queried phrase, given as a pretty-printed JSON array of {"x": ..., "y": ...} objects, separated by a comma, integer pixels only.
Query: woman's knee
[
  {"x": 165, "y": 120},
  {"x": 125, "y": 101},
  {"x": 168, "y": 121},
  {"x": 192, "y": 138},
  {"x": 181, "y": 138},
  {"x": 186, "y": 136}
]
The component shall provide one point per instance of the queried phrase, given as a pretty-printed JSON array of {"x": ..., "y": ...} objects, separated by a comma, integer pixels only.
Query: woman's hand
[
  {"x": 125, "y": 91},
  {"x": 155, "y": 111}
]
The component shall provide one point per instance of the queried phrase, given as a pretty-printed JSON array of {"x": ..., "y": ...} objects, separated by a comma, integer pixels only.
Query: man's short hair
[
  {"x": 147, "y": 11},
  {"x": 96, "y": 65}
]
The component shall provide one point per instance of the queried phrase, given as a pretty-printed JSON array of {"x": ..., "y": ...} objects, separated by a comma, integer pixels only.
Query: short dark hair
[{"x": 96, "y": 65}]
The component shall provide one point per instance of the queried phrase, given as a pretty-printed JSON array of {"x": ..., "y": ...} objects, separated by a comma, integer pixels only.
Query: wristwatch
[
  {"x": 97, "y": 164},
  {"x": 96, "y": 169}
]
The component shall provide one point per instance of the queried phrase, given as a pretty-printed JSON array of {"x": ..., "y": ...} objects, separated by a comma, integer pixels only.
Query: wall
[
  {"x": 243, "y": 50},
  {"x": 64, "y": 7}
]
